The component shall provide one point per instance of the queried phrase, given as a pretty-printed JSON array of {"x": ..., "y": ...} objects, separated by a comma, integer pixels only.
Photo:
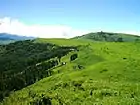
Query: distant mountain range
[
  {"x": 6, "y": 38},
  {"x": 109, "y": 37}
]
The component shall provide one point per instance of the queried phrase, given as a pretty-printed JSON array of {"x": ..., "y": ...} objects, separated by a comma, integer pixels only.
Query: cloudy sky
[{"x": 68, "y": 18}]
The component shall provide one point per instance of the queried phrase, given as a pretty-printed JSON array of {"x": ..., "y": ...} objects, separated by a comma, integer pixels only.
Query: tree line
[{"x": 24, "y": 62}]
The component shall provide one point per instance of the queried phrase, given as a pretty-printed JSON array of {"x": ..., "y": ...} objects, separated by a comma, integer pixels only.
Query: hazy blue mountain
[{"x": 6, "y": 38}]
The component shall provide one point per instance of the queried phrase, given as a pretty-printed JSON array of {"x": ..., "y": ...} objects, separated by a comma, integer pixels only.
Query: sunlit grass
[{"x": 110, "y": 76}]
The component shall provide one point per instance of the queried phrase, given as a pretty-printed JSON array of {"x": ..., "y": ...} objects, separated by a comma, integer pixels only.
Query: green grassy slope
[
  {"x": 62, "y": 42},
  {"x": 110, "y": 77},
  {"x": 109, "y": 37}
]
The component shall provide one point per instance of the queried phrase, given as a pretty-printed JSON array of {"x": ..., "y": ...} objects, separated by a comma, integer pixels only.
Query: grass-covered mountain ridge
[
  {"x": 76, "y": 71},
  {"x": 109, "y": 37}
]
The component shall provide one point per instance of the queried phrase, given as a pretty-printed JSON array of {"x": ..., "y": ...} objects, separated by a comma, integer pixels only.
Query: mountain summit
[{"x": 109, "y": 37}]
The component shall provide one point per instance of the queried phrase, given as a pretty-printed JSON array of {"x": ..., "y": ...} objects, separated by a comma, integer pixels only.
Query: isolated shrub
[
  {"x": 78, "y": 84},
  {"x": 124, "y": 58},
  {"x": 104, "y": 70},
  {"x": 80, "y": 67},
  {"x": 73, "y": 57},
  {"x": 120, "y": 40}
]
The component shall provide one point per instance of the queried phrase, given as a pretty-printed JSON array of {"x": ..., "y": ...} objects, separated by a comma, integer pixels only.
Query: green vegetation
[
  {"x": 109, "y": 37},
  {"x": 95, "y": 73},
  {"x": 62, "y": 42},
  {"x": 24, "y": 62}
]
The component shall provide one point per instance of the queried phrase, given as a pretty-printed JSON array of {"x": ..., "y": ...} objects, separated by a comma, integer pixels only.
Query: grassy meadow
[{"x": 110, "y": 75}]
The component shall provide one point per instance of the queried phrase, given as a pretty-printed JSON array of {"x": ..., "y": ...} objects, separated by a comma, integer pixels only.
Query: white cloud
[{"x": 13, "y": 26}]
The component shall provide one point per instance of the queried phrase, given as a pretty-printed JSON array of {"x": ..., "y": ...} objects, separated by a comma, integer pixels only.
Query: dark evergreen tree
[
  {"x": 120, "y": 40},
  {"x": 73, "y": 57}
]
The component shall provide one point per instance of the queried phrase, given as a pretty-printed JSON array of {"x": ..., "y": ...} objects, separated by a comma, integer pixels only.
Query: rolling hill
[
  {"x": 105, "y": 73},
  {"x": 109, "y": 37}
]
